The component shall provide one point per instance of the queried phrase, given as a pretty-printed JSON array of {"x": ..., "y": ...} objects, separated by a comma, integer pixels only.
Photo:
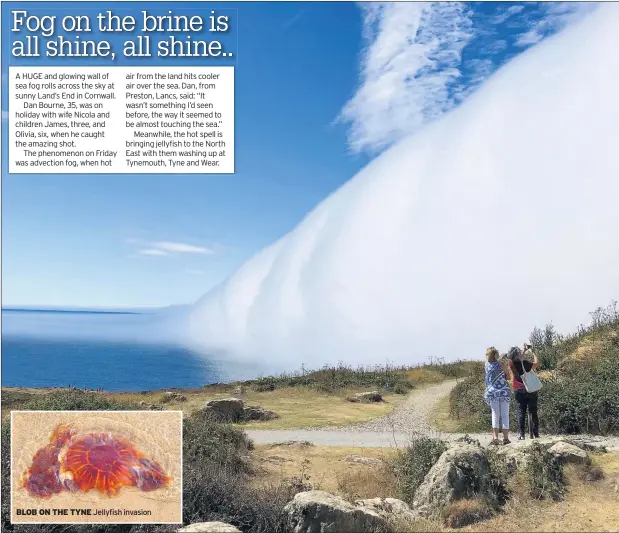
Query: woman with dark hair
[{"x": 518, "y": 365}]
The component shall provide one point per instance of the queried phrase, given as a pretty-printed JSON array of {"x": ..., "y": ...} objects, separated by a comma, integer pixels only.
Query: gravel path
[{"x": 409, "y": 419}]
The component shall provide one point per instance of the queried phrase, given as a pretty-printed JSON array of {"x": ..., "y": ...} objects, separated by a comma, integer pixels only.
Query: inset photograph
[{"x": 88, "y": 467}]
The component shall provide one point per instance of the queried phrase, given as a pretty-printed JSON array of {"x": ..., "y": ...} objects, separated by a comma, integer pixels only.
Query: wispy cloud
[
  {"x": 415, "y": 68},
  {"x": 165, "y": 248},
  {"x": 292, "y": 20},
  {"x": 152, "y": 251},
  {"x": 554, "y": 17},
  {"x": 504, "y": 13},
  {"x": 180, "y": 248},
  {"x": 412, "y": 55}
]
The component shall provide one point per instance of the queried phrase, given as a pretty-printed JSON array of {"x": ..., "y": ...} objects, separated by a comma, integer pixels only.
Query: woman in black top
[{"x": 525, "y": 400}]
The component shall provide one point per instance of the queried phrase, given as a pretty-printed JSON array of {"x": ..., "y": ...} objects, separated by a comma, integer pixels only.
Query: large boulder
[
  {"x": 390, "y": 509},
  {"x": 569, "y": 453},
  {"x": 225, "y": 409},
  {"x": 367, "y": 397},
  {"x": 316, "y": 511},
  {"x": 255, "y": 412},
  {"x": 171, "y": 396},
  {"x": 209, "y": 527},
  {"x": 460, "y": 472}
]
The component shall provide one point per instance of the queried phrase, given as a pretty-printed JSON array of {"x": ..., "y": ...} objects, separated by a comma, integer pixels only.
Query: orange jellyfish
[
  {"x": 99, "y": 461},
  {"x": 42, "y": 479}
]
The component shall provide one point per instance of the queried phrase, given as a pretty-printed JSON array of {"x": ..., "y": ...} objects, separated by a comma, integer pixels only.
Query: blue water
[{"x": 116, "y": 351}]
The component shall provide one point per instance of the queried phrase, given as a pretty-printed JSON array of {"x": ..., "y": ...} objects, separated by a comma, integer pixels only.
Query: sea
[{"x": 115, "y": 350}]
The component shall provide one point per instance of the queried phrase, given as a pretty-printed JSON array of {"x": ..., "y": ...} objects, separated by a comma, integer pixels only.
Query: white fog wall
[{"x": 500, "y": 216}]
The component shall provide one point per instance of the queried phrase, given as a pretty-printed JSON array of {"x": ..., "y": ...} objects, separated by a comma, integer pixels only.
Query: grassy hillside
[{"x": 580, "y": 374}]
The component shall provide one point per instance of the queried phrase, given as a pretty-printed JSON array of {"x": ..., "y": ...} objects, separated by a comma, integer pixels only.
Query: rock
[
  {"x": 226, "y": 409},
  {"x": 461, "y": 471},
  {"x": 362, "y": 460},
  {"x": 372, "y": 396},
  {"x": 316, "y": 511},
  {"x": 255, "y": 412},
  {"x": 209, "y": 527},
  {"x": 389, "y": 508},
  {"x": 517, "y": 453},
  {"x": 174, "y": 396},
  {"x": 570, "y": 453}
]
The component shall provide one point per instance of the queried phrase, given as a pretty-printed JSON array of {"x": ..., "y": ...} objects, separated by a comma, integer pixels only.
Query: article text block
[{"x": 108, "y": 120}]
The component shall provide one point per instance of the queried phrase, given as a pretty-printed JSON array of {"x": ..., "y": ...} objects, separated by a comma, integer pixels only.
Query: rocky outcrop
[
  {"x": 209, "y": 527},
  {"x": 235, "y": 410},
  {"x": 461, "y": 471},
  {"x": 569, "y": 449},
  {"x": 225, "y": 409},
  {"x": 170, "y": 396},
  {"x": 569, "y": 453},
  {"x": 390, "y": 509},
  {"x": 255, "y": 412},
  {"x": 367, "y": 397},
  {"x": 316, "y": 511}
]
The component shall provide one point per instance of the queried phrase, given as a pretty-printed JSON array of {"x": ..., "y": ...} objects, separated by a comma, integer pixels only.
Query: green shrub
[
  {"x": 411, "y": 464},
  {"x": 585, "y": 399},
  {"x": 500, "y": 472},
  {"x": 77, "y": 400},
  {"x": 545, "y": 474},
  {"x": 332, "y": 379},
  {"x": 402, "y": 387}
]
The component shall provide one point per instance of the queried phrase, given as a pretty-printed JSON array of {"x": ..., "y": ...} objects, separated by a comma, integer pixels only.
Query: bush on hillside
[
  {"x": 77, "y": 400},
  {"x": 545, "y": 474},
  {"x": 411, "y": 464},
  {"x": 585, "y": 399},
  {"x": 334, "y": 379},
  {"x": 553, "y": 348}
]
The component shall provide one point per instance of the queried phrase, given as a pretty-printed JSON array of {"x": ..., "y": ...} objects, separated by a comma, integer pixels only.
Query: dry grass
[
  {"x": 588, "y": 506},
  {"x": 304, "y": 407},
  {"x": 424, "y": 376},
  {"x": 297, "y": 407},
  {"x": 440, "y": 417},
  {"x": 325, "y": 468},
  {"x": 465, "y": 512},
  {"x": 593, "y": 347}
]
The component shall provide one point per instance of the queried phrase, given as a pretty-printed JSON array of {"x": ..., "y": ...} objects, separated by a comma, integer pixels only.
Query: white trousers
[{"x": 502, "y": 409}]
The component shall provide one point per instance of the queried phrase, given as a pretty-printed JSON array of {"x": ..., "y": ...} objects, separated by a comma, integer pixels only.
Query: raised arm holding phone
[{"x": 527, "y": 401}]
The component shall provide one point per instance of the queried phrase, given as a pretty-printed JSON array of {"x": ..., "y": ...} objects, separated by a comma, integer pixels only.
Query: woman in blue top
[{"x": 497, "y": 394}]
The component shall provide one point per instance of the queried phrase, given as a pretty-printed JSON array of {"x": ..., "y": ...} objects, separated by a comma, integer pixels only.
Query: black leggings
[{"x": 527, "y": 399}]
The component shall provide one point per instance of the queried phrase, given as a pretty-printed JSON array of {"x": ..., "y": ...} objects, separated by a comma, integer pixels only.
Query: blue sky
[{"x": 320, "y": 89}]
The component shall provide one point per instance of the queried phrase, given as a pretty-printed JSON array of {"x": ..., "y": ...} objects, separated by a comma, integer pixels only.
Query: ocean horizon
[{"x": 118, "y": 350}]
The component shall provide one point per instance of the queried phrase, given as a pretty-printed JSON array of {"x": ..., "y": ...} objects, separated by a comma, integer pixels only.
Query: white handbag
[{"x": 531, "y": 382}]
